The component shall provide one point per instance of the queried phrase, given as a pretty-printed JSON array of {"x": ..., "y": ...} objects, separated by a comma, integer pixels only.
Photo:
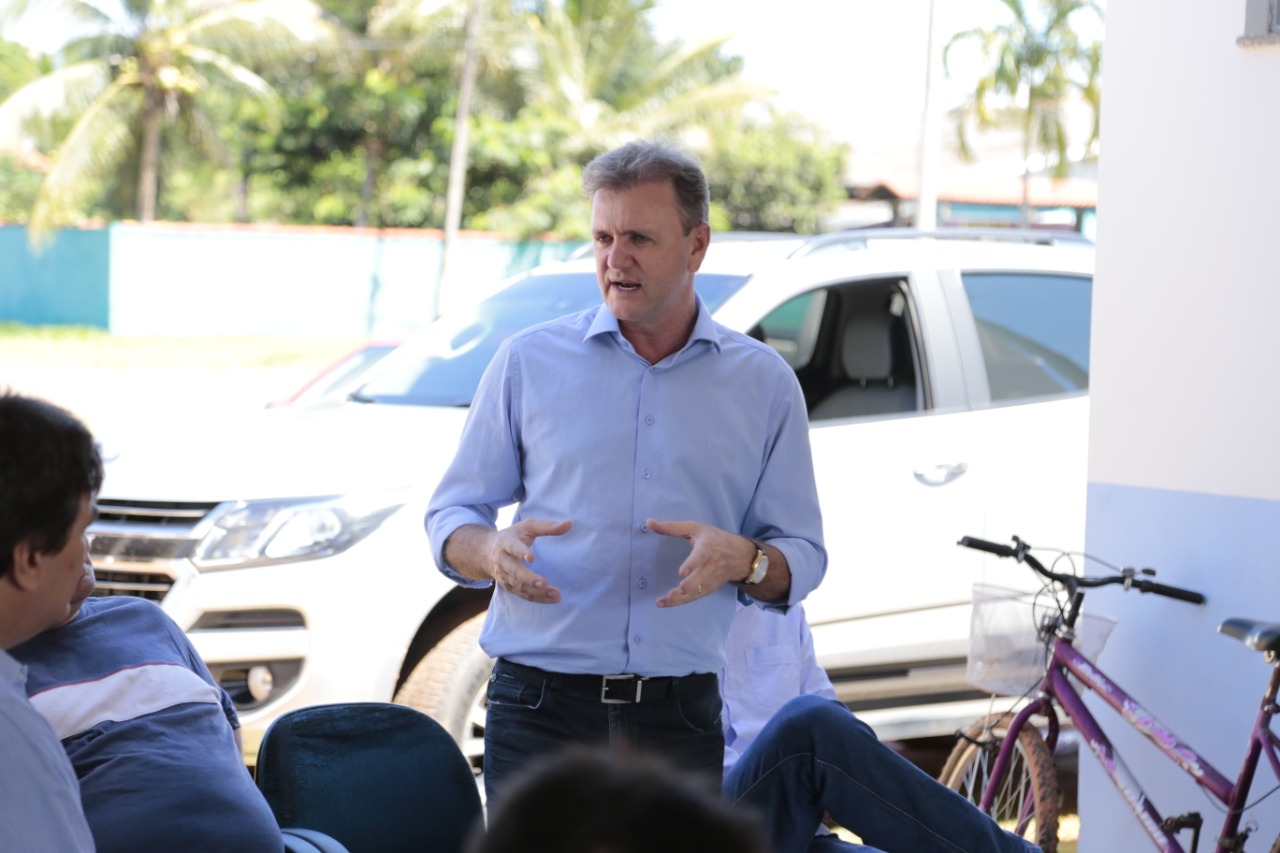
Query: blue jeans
[
  {"x": 533, "y": 714},
  {"x": 815, "y": 757}
]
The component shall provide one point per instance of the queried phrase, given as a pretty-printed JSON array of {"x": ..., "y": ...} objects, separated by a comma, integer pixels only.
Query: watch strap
[{"x": 759, "y": 566}]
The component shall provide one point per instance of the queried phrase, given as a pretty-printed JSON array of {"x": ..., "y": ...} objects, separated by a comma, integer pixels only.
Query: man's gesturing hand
[
  {"x": 718, "y": 557},
  {"x": 511, "y": 551}
]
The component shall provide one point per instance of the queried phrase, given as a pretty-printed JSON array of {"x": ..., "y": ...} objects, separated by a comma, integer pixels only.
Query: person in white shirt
[{"x": 795, "y": 754}]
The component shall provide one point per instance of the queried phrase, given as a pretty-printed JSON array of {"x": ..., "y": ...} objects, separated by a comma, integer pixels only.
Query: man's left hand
[{"x": 718, "y": 557}]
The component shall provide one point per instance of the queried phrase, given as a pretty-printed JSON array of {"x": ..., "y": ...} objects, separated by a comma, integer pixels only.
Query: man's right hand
[{"x": 504, "y": 556}]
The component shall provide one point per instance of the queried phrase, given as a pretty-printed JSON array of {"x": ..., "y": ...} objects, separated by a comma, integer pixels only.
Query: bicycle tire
[{"x": 1031, "y": 778}]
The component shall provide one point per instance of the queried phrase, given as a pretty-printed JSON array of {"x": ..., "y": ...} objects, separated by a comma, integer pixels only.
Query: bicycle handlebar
[
  {"x": 1020, "y": 551},
  {"x": 1188, "y": 595},
  {"x": 990, "y": 547}
]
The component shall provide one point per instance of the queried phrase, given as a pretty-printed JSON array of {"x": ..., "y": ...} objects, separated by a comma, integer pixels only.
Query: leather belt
[{"x": 621, "y": 689}]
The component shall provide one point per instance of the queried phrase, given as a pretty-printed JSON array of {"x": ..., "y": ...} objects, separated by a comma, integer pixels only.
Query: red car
[{"x": 340, "y": 378}]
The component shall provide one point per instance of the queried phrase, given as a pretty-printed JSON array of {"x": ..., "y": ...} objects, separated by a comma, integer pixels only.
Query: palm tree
[
  {"x": 563, "y": 80},
  {"x": 598, "y": 64},
  {"x": 155, "y": 62},
  {"x": 1034, "y": 66},
  {"x": 596, "y": 69}
]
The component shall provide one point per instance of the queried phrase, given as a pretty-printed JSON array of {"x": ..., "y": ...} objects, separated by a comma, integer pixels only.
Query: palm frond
[
  {"x": 96, "y": 144},
  {"x": 242, "y": 78},
  {"x": 262, "y": 30},
  {"x": 402, "y": 17},
  {"x": 63, "y": 91},
  {"x": 676, "y": 68}
]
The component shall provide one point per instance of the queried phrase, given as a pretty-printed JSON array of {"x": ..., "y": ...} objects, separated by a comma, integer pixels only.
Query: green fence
[{"x": 169, "y": 279}]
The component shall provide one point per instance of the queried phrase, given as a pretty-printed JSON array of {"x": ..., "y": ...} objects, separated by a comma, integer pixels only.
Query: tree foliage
[
  {"x": 1035, "y": 63},
  {"x": 342, "y": 112},
  {"x": 780, "y": 175},
  {"x": 135, "y": 74},
  {"x": 20, "y": 171}
]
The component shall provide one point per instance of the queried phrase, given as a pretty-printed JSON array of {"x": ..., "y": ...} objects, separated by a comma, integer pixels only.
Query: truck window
[{"x": 1034, "y": 331}]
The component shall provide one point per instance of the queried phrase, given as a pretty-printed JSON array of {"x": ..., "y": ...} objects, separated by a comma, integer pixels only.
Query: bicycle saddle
[{"x": 1262, "y": 636}]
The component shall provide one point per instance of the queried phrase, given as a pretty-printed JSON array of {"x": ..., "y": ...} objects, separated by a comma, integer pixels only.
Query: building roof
[{"x": 958, "y": 187}]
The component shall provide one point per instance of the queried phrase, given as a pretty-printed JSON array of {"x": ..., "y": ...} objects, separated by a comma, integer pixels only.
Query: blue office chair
[{"x": 376, "y": 777}]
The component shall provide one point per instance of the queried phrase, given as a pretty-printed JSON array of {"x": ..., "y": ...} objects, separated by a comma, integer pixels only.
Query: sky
[{"x": 855, "y": 67}]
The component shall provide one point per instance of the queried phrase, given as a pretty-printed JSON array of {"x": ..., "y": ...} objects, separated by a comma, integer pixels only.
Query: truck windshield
[{"x": 442, "y": 365}]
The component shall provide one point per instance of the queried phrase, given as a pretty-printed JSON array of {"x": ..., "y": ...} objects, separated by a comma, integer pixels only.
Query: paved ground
[
  {"x": 115, "y": 383},
  {"x": 115, "y": 398}
]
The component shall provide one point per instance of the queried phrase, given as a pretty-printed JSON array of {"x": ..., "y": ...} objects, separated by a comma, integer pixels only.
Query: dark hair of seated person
[{"x": 590, "y": 801}]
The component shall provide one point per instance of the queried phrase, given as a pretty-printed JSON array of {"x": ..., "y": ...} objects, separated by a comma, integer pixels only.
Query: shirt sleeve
[
  {"x": 785, "y": 511},
  {"x": 40, "y": 805},
  {"x": 484, "y": 475}
]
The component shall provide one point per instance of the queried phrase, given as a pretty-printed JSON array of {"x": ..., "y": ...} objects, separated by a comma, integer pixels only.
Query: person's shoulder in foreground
[
  {"x": 592, "y": 801},
  {"x": 50, "y": 472},
  {"x": 150, "y": 733}
]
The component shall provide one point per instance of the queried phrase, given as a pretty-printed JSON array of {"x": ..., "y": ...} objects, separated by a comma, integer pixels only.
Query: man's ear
[
  {"x": 701, "y": 240},
  {"x": 26, "y": 565}
]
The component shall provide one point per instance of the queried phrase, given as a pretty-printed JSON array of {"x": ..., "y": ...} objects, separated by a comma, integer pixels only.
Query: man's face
[
  {"x": 67, "y": 576},
  {"x": 644, "y": 260}
]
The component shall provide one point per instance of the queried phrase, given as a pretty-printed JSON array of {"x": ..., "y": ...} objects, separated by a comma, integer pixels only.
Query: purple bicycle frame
[{"x": 1057, "y": 687}]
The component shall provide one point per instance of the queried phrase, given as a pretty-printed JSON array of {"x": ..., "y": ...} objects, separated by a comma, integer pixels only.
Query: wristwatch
[{"x": 759, "y": 567}]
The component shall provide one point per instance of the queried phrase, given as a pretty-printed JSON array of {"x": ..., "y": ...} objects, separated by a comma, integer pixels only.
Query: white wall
[{"x": 1184, "y": 463}]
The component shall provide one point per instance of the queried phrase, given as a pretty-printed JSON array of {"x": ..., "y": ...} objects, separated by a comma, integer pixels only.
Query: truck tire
[
  {"x": 449, "y": 684},
  {"x": 1030, "y": 781}
]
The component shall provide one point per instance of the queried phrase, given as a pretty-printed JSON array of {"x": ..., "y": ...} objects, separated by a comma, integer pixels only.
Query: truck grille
[{"x": 140, "y": 548}]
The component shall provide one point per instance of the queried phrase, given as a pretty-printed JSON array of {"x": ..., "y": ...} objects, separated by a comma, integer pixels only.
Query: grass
[
  {"x": 132, "y": 383},
  {"x": 73, "y": 347}
]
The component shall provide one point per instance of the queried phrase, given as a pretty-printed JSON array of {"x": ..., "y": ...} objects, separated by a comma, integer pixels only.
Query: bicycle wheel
[{"x": 1029, "y": 796}]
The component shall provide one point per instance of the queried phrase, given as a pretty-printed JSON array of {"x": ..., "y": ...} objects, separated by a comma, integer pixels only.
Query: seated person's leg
[{"x": 814, "y": 756}]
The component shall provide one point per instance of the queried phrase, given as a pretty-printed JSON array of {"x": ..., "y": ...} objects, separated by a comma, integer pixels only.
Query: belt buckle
[{"x": 604, "y": 689}]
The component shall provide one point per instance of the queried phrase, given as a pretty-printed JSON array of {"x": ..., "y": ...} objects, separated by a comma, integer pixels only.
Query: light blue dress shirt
[
  {"x": 39, "y": 795},
  {"x": 770, "y": 662},
  {"x": 569, "y": 422}
]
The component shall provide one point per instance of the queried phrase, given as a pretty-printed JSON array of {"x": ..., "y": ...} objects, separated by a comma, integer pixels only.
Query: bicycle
[{"x": 1006, "y": 766}]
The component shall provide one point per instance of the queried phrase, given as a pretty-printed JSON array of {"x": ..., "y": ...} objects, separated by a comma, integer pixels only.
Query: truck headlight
[{"x": 255, "y": 533}]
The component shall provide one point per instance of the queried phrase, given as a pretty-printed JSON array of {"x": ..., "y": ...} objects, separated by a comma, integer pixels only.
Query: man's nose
[{"x": 618, "y": 257}]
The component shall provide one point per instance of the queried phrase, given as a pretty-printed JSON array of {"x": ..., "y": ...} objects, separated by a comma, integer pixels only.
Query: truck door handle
[{"x": 938, "y": 475}]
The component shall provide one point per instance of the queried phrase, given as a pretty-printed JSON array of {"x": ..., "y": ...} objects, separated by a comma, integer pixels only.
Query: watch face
[{"x": 759, "y": 567}]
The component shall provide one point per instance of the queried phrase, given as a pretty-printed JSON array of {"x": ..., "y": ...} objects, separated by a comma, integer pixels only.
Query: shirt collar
[
  {"x": 704, "y": 328},
  {"x": 11, "y": 669}
]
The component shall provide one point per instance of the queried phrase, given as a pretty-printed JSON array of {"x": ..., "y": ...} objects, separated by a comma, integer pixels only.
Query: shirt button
[
  {"x": 644, "y": 528},
  {"x": 648, "y": 419},
  {"x": 647, "y": 475},
  {"x": 642, "y": 583},
  {"x": 637, "y": 639}
]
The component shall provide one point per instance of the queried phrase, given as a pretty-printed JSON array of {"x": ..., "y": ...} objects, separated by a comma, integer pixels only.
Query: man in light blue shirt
[
  {"x": 794, "y": 754},
  {"x": 661, "y": 467},
  {"x": 50, "y": 472}
]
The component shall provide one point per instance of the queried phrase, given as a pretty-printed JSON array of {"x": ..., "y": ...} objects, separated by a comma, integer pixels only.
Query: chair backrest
[
  {"x": 377, "y": 777},
  {"x": 866, "y": 358},
  {"x": 866, "y": 353}
]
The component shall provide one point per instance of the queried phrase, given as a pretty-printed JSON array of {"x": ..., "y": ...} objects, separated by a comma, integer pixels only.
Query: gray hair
[{"x": 643, "y": 162}]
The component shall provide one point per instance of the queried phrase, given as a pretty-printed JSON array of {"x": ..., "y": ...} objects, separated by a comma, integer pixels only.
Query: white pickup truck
[{"x": 946, "y": 379}]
